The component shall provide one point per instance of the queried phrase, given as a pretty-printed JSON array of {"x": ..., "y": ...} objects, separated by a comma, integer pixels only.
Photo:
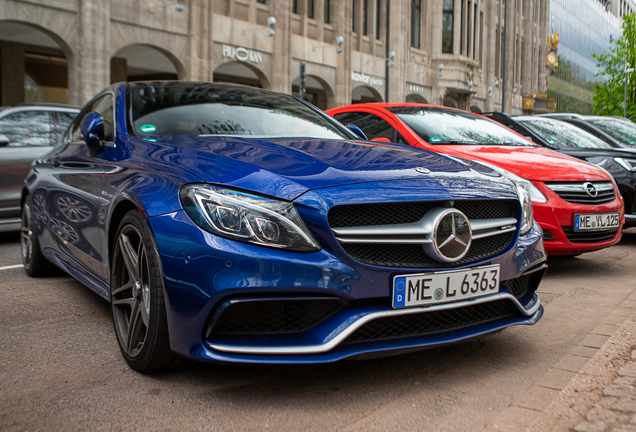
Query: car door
[
  {"x": 28, "y": 132},
  {"x": 73, "y": 194}
]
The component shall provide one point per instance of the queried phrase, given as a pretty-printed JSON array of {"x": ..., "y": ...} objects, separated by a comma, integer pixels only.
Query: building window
[
  {"x": 295, "y": 6},
  {"x": 326, "y": 10},
  {"x": 416, "y": 21},
  {"x": 365, "y": 16},
  {"x": 260, "y": 1},
  {"x": 310, "y": 9},
  {"x": 353, "y": 17},
  {"x": 447, "y": 26},
  {"x": 377, "y": 18}
]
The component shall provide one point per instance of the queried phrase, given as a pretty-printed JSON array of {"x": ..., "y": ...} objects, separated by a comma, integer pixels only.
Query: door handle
[{"x": 56, "y": 162}]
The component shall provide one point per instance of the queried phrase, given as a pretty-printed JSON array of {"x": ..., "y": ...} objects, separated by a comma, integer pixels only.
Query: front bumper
[
  {"x": 202, "y": 272},
  {"x": 556, "y": 218}
]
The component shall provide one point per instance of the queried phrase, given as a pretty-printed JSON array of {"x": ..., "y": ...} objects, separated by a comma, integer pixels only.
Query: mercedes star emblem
[{"x": 452, "y": 236}]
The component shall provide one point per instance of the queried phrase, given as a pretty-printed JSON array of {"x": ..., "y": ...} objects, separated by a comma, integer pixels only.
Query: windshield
[
  {"x": 447, "y": 126},
  {"x": 621, "y": 130},
  {"x": 213, "y": 109},
  {"x": 562, "y": 134}
]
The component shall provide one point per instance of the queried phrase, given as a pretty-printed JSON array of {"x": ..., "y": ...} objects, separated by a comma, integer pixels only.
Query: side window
[
  {"x": 372, "y": 125},
  {"x": 60, "y": 122},
  {"x": 27, "y": 129},
  {"x": 102, "y": 106}
]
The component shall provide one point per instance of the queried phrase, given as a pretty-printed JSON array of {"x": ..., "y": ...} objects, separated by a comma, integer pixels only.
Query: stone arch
[
  {"x": 416, "y": 98},
  {"x": 242, "y": 73},
  {"x": 139, "y": 61},
  {"x": 43, "y": 55},
  {"x": 318, "y": 91},
  {"x": 448, "y": 102},
  {"x": 363, "y": 94},
  {"x": 475, "y": 109}
]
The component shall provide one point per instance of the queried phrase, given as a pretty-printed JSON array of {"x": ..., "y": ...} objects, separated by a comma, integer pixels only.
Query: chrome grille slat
[
  {"x": 575, "y": 193},
  {"x": 399, "y": 240}
]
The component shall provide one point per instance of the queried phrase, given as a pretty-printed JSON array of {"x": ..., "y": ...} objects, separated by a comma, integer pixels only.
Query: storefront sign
[
  {"x": 366, "y": 79},
  {"x": 416, "y": 89},
  {"x": 242, "y": 54}
]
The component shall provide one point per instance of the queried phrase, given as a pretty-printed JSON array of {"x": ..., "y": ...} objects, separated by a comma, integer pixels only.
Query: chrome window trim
[{"x": 328, "y": 346}]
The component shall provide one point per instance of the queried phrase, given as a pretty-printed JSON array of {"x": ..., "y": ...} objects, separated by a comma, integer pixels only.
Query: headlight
[
  {"x": 528, "y": 193},
  {"x": 527, "y": 216},
  {"x": 247, "y": 218},
  {"x": 628, "y": 164}
]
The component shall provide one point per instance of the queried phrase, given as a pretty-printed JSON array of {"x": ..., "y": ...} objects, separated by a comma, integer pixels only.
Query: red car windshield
[{"x": 446, "y": 126}]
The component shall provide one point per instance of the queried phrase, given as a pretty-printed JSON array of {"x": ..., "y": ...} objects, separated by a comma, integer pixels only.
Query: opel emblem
[
  {"x": 452, "y": 236},
  {"x": 422, "y": 170},
  {"x": 590, "y": 189}
]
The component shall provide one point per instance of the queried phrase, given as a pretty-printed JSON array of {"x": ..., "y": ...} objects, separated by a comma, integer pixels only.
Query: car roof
[
  {"x": 40, "y": 107},
  {"x": 48, "y": 104}
]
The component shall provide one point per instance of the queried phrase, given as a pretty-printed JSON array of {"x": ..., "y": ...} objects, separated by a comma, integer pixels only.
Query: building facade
[
  {"x": 585, "y": 27},
  {"x": 446, "y": 52}
]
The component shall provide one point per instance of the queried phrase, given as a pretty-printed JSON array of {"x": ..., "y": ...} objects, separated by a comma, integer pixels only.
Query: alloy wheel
[
  {"x": 131, "y": 291},
  {"x": 26, "y": 235}
]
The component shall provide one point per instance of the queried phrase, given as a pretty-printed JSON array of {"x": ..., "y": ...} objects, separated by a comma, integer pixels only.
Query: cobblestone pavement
[{"x": 616, "y": 411}]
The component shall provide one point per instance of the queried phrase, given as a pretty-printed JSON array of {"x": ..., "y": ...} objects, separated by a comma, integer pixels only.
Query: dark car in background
[
  {"x": 27, "y": 132},
  {"x": 571, "y": 140},
  {"x": 613, "y": 130}
]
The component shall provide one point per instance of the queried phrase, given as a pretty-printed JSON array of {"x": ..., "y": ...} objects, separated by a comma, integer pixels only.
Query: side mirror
[
  {"x": 381, "y": 139},
  {"x": 4, "y": 140},
  {"x": 92, "y": 128},
  {"x": 356, "y": 130}
]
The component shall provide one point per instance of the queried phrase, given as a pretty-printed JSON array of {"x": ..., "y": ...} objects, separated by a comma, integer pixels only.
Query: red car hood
[{"x": 532, "y": 163}]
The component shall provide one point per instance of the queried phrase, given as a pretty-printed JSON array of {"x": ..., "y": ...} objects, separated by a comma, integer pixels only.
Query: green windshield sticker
[
  {"x": 435, "y": 139},
  {"x": 551, "y": 141},
  {"x": 148, "y": 128},
  {"x": 630, "y": 142},
  {"x": 150, "y": 139}
]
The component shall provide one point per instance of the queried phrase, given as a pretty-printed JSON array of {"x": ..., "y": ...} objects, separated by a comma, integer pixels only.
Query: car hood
[
  {"x": 532, "y": 163},
  {"x": 287, "y": 168}
]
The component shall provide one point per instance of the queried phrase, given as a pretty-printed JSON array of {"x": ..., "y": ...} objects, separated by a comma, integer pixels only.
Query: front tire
[
  {"x": 35, "y": 264},
  {"x": 139, "y": 311}
]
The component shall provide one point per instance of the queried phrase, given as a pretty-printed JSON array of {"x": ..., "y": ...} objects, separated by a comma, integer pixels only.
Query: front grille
[
  {"x": 275, "y": 316},
  {"x": 575, "y": 193},
  {"x": 426, "y": 323},
  {"x": 587, "y": 236},
  {"x": 413, "y": 255},
  {"x": 409, "y": 212}
]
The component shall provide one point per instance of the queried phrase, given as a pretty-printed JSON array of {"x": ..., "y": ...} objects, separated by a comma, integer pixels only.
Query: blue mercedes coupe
[{"x": 235, "y": 224}]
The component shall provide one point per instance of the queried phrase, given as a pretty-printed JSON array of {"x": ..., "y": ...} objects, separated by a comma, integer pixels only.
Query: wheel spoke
[
  {"x": 134, "y": 328},
  {"x": 130, "y": 301},
  {"x": 123, "y": 288},
  {"x": 131, "y": 258},
  {"x": 144, "y": 313}
]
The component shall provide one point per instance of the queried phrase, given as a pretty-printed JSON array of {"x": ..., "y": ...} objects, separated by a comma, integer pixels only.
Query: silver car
[{"x": 27, "y": 132}]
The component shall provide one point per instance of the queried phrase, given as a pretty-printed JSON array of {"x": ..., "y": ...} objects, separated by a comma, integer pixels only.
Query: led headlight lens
[
  {"x": 527, "y": 216},
  {"x": 247, "y": 217},
  {"x": 628, "y": 164}
]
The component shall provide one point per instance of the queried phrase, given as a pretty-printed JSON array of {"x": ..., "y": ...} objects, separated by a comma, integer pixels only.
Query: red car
[{"x": 575, "y": 203}]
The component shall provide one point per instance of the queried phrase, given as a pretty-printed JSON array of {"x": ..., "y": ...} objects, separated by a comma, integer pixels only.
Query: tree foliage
[{"x": 608, "y": 95}]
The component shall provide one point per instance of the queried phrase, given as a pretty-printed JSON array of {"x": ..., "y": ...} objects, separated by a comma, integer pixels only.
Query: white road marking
[{"x": 11, "y": 267}]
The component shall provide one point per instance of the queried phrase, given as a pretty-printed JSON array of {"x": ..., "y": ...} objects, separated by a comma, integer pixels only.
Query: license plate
[
  {"x": 445, "y": 286},
  {"x": 596, "y": 221}
]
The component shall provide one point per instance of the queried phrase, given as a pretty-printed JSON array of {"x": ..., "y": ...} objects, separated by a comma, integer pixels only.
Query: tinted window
[
  {"x": 225, "y": 110},
  {"x": 60, "y": 123},
  {"x": 27, "y": 129},
  {"x": 619, "y": 129},
  {"x": 372, "y": 125},
  {"x": 446, "y": 126},
  {"x": 562, "y": 134}
]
